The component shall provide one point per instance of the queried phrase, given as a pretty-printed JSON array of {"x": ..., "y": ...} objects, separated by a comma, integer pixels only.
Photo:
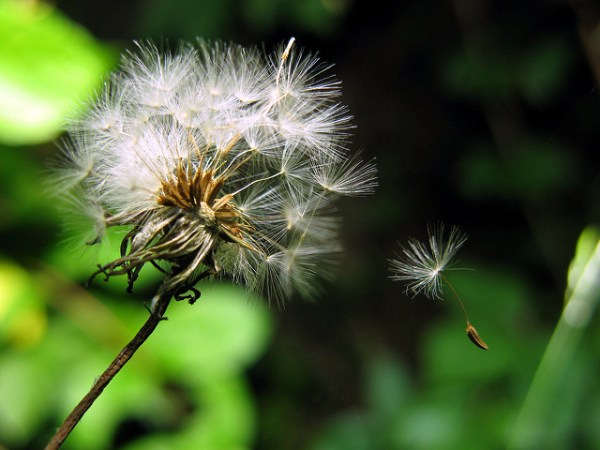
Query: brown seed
[{"x": 474, "y": 336}]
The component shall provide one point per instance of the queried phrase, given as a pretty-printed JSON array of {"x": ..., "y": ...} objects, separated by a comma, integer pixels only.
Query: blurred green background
[{"x": 481, "y": 114}]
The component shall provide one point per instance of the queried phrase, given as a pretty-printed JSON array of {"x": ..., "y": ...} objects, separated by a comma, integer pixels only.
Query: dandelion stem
[
  {"x": 156, "y": 316},
  {"x": 471, "y": 331},
  {"x": 457, "y": 298}
]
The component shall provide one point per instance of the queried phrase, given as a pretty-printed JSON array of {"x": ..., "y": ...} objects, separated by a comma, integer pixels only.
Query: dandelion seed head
[{"x": 220, "y": 161}]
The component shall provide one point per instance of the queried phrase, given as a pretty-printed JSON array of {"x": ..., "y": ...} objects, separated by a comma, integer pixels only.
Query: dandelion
[
  {"x": 421, "y": 266},
  {"x": 220, "y": 162}
]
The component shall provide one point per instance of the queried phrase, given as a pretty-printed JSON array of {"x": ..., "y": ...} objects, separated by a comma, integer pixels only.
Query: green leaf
[
  {"x": 24, "y": 383},
  {"x": 25, "y": 386},
  {"x": 584, "y": 252},
  {"x": 219, "y": 336},
  {"x": 48, "y": 67},
  {"x": 559, "y": 385},
  {"x": 22, "y": 315}
]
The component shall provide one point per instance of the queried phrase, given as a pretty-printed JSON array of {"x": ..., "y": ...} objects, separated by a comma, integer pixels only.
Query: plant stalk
[
  {"x": 549, "y": 389},
  {"x": 157, "y": 312}
]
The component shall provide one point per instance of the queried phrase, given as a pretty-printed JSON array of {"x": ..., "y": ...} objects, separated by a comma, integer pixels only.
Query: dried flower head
[
  {"x": 221, "y": 162},
  {"x": 421, "y": 266}
]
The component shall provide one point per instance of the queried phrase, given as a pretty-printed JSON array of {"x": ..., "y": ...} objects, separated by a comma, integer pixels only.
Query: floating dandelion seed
[
  {"x": 421, "y": 266},
  {"x": 222, "y": 162}
]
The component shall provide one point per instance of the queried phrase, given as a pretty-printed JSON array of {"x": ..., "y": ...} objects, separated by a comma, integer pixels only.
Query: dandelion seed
[
  {"x": 421, "y": 266},
  {"x": 222, "y": 162},
  {"x": 474, "y": 336}
]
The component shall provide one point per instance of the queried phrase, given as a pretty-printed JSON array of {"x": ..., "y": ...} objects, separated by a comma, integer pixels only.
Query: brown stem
[{"x": 156, "y": 315}]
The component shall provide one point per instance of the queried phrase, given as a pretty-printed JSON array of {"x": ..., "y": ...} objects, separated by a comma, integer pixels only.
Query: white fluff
[{"x": 269, "y": 131}]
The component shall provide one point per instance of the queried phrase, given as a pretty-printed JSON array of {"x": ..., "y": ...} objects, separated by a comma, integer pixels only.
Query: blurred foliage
[
  {"x": 554, "y": 396},
  {"x": 536, "y": 72},
  {"x": 49, "y": 67},
  {"x": 217, "y": 18},
  {"x": 186, "y": 384},
  {"x": 468, "y": 400},
  {"x": 486, "y": 175},
  {"x": 483, "y": 117}
]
